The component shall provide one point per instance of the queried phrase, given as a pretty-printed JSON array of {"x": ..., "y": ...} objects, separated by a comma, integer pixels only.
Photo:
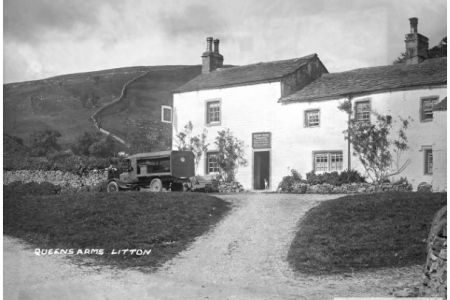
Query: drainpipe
[{"x": 349, "y": 156}]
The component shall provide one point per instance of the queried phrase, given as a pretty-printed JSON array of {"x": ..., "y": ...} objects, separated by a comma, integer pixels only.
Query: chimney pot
[
  {"x": 211, "y": 60},
  {"x": 216, "y": 45},
  {"x": 209, "y": 41},
  {"x": 413, "y": 23}
]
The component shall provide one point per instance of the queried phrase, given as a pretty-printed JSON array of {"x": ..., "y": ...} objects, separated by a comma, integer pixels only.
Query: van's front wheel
[
  {"x": 112, "y": 187},
  {"x": 156, "y": 185}
]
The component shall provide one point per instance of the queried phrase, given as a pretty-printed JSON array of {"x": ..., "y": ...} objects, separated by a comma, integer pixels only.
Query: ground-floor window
[
  {"x": 428, "y": 161},
  {"x": 212, "y": 165},
  {"x": 328, "y": 161}
]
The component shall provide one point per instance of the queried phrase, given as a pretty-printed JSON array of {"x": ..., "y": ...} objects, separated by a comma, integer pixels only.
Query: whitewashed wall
[
  {"x": 329, "y": 136},
  {"x": 294, "y": 144},
  {"x": 440, "y": 151},
  {"x": 245, "y": 109},
  {"x": 419, "y": 134},
  {"x": 254, "y": 108}
]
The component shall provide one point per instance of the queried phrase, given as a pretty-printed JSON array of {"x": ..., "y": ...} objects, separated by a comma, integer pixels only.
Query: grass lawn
[
  {"x": 364, "y": 232},
  {"x": 166, "y": 223}
]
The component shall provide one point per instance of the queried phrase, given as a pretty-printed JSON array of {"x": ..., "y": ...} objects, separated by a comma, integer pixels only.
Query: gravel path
[{"x": 244, "y": 257}]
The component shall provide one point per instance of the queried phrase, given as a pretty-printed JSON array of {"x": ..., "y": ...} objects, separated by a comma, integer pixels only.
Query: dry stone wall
[
  {"x": 435, "y": 277},
  {"x": 67, "y": 181},
  {"x": 352, "y": 188}
]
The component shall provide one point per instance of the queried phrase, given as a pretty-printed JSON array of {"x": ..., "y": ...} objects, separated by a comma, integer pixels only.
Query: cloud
[
  {"x": 194, "y": 19},
  {"x": 51, "y": 37},
  {"x": 28, "y": 21}
]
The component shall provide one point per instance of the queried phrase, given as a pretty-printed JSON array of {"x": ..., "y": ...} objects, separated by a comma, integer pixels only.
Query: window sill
[
  {"x": 320, "y": 172},
  {"x": 213, "y": 124}
]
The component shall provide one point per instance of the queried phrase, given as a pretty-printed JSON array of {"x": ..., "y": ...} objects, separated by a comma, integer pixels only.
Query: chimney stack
[
  {"x": 209, "y": 41},
  {"x": 416, "y": 44},
  {"x": 413, "y": 23},
  {"x": 216, "y": 46},
  {"x": 211, "y": 60}
]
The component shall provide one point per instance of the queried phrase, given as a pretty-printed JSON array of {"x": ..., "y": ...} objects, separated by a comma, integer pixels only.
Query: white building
[{"x": 286, "y": 112}]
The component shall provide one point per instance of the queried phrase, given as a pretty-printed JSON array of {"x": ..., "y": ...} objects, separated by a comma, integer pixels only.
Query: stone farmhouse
[{"x": 287, "y": 114}]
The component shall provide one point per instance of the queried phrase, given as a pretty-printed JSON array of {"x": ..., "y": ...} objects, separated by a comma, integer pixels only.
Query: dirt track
[{"x": 242, "y": 258}]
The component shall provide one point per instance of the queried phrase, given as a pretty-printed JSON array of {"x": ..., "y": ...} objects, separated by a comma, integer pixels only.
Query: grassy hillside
[
  {"x": 139, "y": 112},
  {"x": 66, "y": 102}
]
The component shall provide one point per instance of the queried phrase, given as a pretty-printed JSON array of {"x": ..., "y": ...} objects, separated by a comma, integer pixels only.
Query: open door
[{"x": 261, "y": 170}]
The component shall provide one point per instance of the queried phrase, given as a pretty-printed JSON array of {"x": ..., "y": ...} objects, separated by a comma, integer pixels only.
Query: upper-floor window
[
  {"x": 213, "y": 113},
  {"x": 428, "y": 161},
  {"x": 166, "y": 114},
  {"x": 362, "y": 111},
  {"x": 312, "y": 118},
  {"x": 426, "y": 108},
  {"x": 212, "y": 165},
  {"x": 328, "y": 161}
]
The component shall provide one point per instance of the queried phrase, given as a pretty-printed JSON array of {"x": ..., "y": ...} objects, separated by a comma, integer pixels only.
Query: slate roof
[
  {"x": 372, "y": 80},
  {"x": 441, "y": 106},
  {"x": 254, "y": 73}
]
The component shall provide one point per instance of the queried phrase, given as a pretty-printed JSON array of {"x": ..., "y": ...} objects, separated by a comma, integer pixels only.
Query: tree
[
  {"x": 377, "y": 147},
  {"x": 195, "y": 143},
  {"x": 44, "y": 142},
  {"x": 231, "y": 154},
  {"x": 84, "y": 141},
  {"x": 440, "y": 50},
  {"x": 103, "y": 148},
  {"x": 94, "y": 144},
  {"x": 401, "y": 59}
]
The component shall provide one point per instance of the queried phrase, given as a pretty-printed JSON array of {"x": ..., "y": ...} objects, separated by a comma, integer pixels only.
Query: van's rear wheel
[
  {"x": 112, "y": 187},
  {"x": 156, "y": 185}
]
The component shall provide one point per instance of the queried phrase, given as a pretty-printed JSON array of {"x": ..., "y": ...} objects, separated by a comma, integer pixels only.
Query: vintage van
[{"x": 155, "y": 171}]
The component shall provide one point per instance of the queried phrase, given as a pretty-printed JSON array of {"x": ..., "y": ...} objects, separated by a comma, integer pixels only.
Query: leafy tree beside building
[{"x": 376, "y": 144}]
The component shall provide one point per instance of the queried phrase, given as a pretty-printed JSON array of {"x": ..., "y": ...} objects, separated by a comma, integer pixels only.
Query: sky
[{"x": 44, "y": 38}]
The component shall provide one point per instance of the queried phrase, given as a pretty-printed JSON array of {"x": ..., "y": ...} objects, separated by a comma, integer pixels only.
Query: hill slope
[
  {"x": 138, "y": 113},
  {"x": 66, "y": 102}
]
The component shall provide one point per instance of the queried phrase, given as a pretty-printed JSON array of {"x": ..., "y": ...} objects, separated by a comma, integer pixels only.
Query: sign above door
[{"x": 261, "y": 140}]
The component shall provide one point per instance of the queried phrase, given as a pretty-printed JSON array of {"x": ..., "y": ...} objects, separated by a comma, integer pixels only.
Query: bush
[
  {"x": 403, "y": 182},
  {"x": 424, "y": 187},
  {"x": 44, "y": 141},
  {"x": 334, "y": 178},
  {"x": 288, "y": 183},
  {"x": 351, "y": 176},
  {"x": 94, "y": 144}
]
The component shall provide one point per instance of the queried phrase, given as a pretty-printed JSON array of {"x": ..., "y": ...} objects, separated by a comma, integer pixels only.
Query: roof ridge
[
  {"x": 309, "y": 56},
  {"x": 250, "y": 73},
  {"x": 432, "y": 72},
  {"x": 427, "y": 61}
]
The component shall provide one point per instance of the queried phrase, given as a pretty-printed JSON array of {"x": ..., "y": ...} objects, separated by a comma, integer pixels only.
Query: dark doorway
[{"x": 261, "y": 169}]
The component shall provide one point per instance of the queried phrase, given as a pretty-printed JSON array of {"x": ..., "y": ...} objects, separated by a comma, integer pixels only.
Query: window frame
[
  {"x": 435, "y": 100},
  {"x": 207, "y": 168},
  {"x": 359, "y": 102},
  {"x": 163, "y": 107},
  {"x": 426, "y": 163},
  {"x": 329, "y": 155},
  {"x": 207, "y": 105},
  {"x": 306, "y": 118}
]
